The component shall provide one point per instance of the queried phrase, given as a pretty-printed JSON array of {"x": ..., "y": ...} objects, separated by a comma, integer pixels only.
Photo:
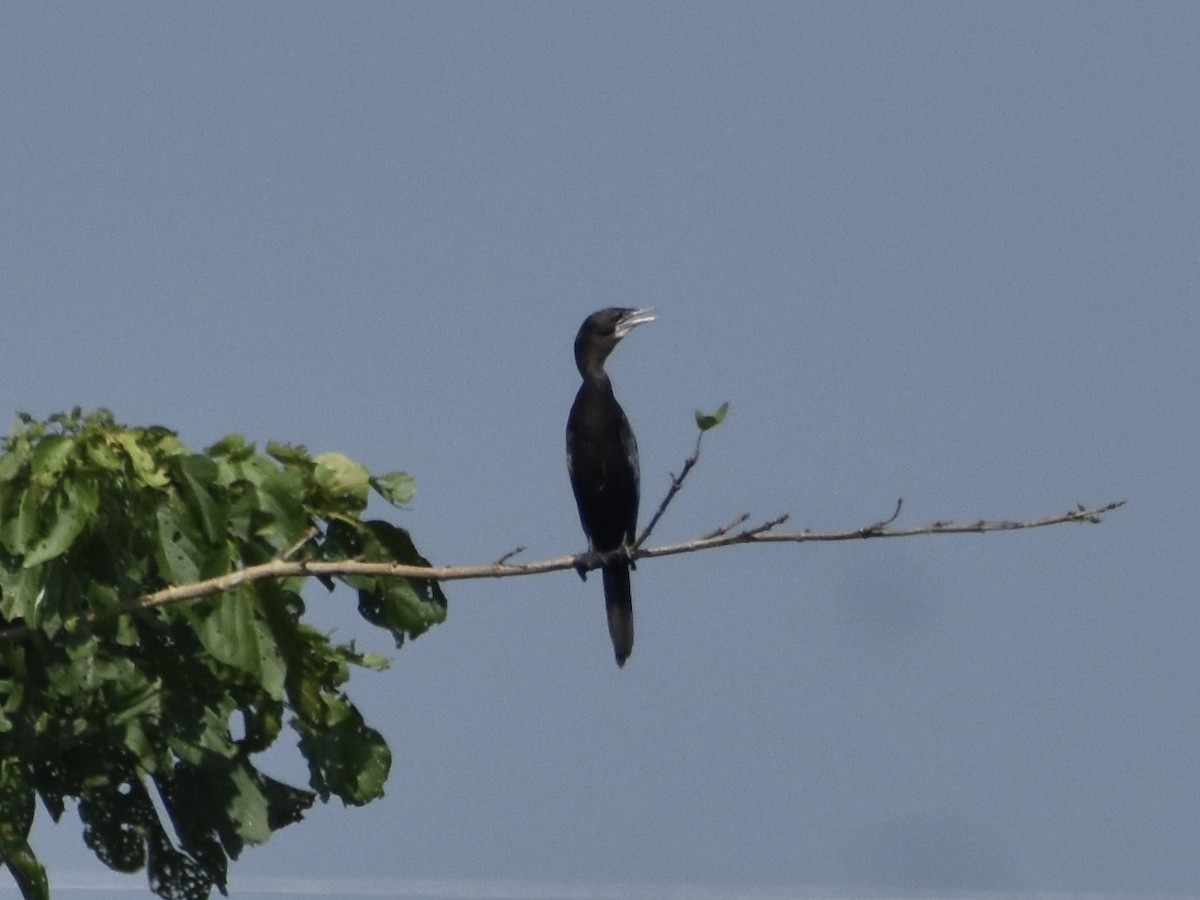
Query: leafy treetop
[{"x": 111, "y": 709}]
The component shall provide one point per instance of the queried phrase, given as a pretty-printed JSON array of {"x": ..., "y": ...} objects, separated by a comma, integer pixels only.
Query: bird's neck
[{"x": 591, "y": 368}]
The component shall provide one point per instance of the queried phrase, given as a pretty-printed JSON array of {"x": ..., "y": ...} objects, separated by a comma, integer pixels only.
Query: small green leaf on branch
[
  {"x": 705, "y": 421},
  {"x": 397, "y": 488}
]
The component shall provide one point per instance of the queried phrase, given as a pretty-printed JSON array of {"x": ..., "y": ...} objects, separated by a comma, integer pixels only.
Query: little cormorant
[{"x": 602, "y": 459}]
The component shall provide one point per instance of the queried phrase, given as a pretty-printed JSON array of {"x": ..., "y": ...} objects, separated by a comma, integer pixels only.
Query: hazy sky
[{"x": 945, "y": 252}]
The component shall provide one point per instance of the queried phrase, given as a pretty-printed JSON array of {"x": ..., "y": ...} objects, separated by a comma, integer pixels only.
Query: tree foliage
[{"x": 150, "y": 719}]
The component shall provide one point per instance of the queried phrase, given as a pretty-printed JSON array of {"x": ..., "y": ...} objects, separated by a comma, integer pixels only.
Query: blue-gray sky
[{"x": 944, "y": 252}]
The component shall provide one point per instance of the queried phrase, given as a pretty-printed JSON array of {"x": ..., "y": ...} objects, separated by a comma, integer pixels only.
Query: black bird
[{"x": 602, "y": 458}]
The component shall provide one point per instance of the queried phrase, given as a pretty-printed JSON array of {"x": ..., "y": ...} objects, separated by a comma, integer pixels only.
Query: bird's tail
[{"x": 619, "y": 602}]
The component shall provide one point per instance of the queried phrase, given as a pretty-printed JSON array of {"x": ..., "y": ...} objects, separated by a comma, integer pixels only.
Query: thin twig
[
  {"x": 757, "y": 530},
  {"x": 509, "y": 555},
  {"x": 676, "y": 484},
  {"x": 304, "y": 539},
  {"x": 725, "y": 529},
  {"x": 872, "y": 530}
]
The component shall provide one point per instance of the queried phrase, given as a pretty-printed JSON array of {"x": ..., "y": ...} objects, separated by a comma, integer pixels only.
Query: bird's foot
[
  {"x": 617, "y": 555},
  {"x": 594, "y": 559},
  {"x": 585, "y": 562}
]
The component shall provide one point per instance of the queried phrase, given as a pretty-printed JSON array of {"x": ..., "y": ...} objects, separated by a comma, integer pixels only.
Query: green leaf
[
  {"x": 705, "y": 421},
  {"x": 262, "y": 722},
  {"x": 232, "y": 631},
  {"x": 181, "y": 549},
  {"x": 175, "y": 875},
  {"x": 16, "y": 802},
  {"x": 248, "y": 808},
  {"x": 15, "y": 455},
  {"x": 197, "y": 486},
  {"x": 103, "y": 455},
  {"x": 289, "y": 454},
  {"x": 20, "y": 527},
  {"x": 70, "y": 513},
  {"x": 231, "y": 445},
  {"x": 406, "y": 607},
  {"x": 373, "y": 661},
  {"x": 397, "y": 488},
  {"x": 347, "y": 759},
  {"x": 199, "y": 725},
  {"x": 342, "y": 478},
  {"x": 116, "y": 813},
  {"x": 12, "y": 698},
  {"x": 285, "y": 804},
  {"x": 280, "y": 496},
  {"x": 103, "y": 600},
  {"x": 51, "y": 456},
  {"x": 19, "y": 592},
  {"x": 144, "y": 464},
  {"x": 27, "y": 872}
]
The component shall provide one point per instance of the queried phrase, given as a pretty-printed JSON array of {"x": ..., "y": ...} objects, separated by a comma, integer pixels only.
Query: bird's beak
[{"x": 633, "y": 318}]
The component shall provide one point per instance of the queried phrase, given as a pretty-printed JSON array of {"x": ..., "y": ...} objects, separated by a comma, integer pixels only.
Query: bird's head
[{"x": 603, "y": 330}]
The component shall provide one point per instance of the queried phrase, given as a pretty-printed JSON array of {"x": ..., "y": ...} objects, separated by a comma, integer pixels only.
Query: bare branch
[
  {"x": 764, "y": 534},
  {"x": 721, "y": 537}
]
